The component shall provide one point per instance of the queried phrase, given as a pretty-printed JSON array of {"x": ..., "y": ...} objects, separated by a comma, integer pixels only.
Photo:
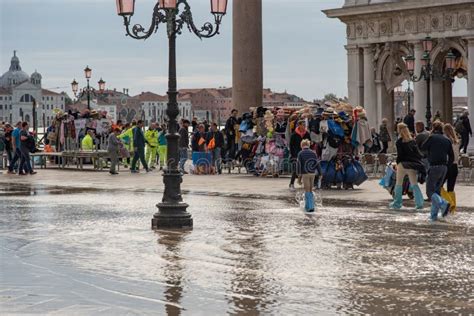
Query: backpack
[{"x": 459, "y": 127}]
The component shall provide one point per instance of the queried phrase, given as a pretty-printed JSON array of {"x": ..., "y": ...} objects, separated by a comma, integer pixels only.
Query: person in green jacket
[
  {"x": 163, "y": 146},
  {"x": 127, "y": 139},
  {"x": 151, "y": 137},
  {"x": 88, "y": 141}
]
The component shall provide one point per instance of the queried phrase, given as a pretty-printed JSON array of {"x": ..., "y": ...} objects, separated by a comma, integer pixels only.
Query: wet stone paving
[{"x": 85, "y": 252}]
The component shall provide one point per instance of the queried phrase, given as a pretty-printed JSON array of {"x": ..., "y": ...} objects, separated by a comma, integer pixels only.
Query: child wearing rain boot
[
  {"x": 307, "y": 166},
  {"x": 408, "y": 164}
]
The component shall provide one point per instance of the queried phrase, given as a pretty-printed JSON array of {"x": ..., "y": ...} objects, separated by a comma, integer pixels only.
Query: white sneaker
[{"x": 292, "y": 188}]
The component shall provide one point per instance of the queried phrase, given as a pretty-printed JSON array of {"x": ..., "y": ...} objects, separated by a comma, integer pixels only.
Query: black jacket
[
  {"x": 183, "y": 138},
  {"x": 467, "y": 126},
  {"x": 408, "y": 152},
  {"x": 439, "y": 149},
  {"x": 218, "y": 138},
  {"x": 295, "y": 143},
  {"x": 138, "y": 138},
  {"x": 409, "y": 120}
]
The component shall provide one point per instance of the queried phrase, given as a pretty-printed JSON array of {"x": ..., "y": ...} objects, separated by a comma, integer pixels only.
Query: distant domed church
[{"x": 18, "y": 93}]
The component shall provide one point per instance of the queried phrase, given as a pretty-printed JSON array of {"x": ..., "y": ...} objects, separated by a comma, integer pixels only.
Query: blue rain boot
[
  {"x": 419, "y": 201},
  {"x": 438, "y": 204},
  {"x": 397, "y": 198},
  {"x": 309, "y": 202}
]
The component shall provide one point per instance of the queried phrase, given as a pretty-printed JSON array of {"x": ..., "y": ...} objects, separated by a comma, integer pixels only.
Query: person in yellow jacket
[
  {"x": 151, "y": 137},
  {"x": 88, "y": 141},
  {"x": 127, "y": 139}
]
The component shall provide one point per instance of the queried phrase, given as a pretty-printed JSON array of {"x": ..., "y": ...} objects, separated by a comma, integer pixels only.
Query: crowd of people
[
  {"x": 430, "y": 156},
  {"x": 318, "y": 146}
]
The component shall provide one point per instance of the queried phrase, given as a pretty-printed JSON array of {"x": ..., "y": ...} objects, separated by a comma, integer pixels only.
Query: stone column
[
  {"x": 448, "y": 102},
  {"x": 355, "y": 75},
  {"x": 247, "y": 69},
  {"x": 370, "y": 92},
  {"x": 470, "y": 89},
  {"x": 419, "y": 87},
  {"x": 438, "y": 97}
]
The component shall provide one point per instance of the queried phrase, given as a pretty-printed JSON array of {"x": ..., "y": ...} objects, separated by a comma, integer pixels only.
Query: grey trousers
[
  {"x": 435, "y": 180},
  {"x": 114, "y": 160}
]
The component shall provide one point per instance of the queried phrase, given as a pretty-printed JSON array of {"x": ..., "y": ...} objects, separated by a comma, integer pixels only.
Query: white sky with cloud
[{"x": 303, "y": 50}]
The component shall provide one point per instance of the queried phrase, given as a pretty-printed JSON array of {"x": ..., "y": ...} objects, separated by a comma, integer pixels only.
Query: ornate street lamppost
[
  {"x": 88, "y": 90},
  {"x": 428, "y": 73},
  {"x": 175, "y": 14}
]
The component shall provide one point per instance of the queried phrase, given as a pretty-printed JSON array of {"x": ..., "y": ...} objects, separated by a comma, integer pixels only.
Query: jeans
[
  {"x": 216, "y": 158},
  {"x": 183, "y": 157},
  {"x": 25, "y": 161},
  {"x": 16, "y": 157},
  {"x": 139, "y": 154},
  {"x": 435, "y": 180}
]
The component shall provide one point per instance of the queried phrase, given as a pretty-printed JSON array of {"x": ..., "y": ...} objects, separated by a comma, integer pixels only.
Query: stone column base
[{"x": 172, "y": 216}]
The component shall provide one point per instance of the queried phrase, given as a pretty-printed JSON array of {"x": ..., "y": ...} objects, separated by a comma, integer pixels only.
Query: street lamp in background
[
  {"x": 88, "y": 90},
  {"x": 176, "y": 14},
  {"x": 428, "y": 74}
]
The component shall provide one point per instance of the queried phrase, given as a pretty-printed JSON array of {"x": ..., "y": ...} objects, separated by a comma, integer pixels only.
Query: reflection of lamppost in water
[
  {"x": 172, "y": 210},
  {"x": 428, "y": 74},
  {"x": 173, "y": 270}
]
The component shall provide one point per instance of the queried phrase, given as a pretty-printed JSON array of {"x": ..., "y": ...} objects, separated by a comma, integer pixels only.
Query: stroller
[{"x": 390, "y": 178}]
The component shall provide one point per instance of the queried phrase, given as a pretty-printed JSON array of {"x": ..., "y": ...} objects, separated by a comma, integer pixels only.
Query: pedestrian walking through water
[
  {"x": 408, "y": 164},
  {"x": 307, "y": 167},
  {"x": 440, "y": 157}
]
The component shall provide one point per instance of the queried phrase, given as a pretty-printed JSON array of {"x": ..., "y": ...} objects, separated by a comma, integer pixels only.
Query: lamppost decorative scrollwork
[
  {"x": 428, "y": 73},
  {"x": 176, "y": 14}
]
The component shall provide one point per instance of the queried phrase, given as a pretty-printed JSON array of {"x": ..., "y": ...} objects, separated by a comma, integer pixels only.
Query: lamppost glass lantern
[
  {"x": 450, "y": 62},
  {"x": 101, "y": 85},
  {"x": 425, "y": 60},
  {"x": 168, "y": 4},
  {"x": 75, "y": 86},
  {"x": 428, "y": 44},
  {"x": 219, "y": 6},
  {"x": 88, "y": 72},
  {"x": 410, "y": 64},
  {"x": 125, "y": 7}
]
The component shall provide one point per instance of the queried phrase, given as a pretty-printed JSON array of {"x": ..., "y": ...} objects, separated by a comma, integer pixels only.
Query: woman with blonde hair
[
  {"x": 408, "y": 164},
  {"x": 452, "y": 174}
]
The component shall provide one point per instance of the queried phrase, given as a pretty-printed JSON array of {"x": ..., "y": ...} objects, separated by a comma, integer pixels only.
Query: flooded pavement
[{"x": 82, "y": 252}]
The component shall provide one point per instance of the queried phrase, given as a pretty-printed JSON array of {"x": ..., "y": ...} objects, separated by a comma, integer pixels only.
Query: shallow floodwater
[{"x": 83, "y": 252}]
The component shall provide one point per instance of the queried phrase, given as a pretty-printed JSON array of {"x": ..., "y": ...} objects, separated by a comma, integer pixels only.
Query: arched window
[{"x": 27, "y": 98}]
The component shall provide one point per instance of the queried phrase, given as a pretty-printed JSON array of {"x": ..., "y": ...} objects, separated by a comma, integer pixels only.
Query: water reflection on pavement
[{"x": 90, "y": 252}]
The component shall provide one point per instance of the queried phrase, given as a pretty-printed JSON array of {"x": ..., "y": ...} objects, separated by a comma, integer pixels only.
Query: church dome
[
  {"x": 14, "y": 75},
  {"x": 36, "y": 75}
]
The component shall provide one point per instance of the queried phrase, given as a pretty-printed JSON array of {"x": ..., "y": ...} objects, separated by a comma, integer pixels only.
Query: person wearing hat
[{"x": 296, "y": 138}]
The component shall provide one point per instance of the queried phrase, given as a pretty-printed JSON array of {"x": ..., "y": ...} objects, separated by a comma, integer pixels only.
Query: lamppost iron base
[{"x": 172, "y": 216}]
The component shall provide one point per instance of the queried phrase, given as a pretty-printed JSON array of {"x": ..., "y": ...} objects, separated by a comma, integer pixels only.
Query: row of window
[
  {"x": 6, "y": 98},
  {"x": 27, "y": 98},
  {"x": 48, "y": 107}
]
